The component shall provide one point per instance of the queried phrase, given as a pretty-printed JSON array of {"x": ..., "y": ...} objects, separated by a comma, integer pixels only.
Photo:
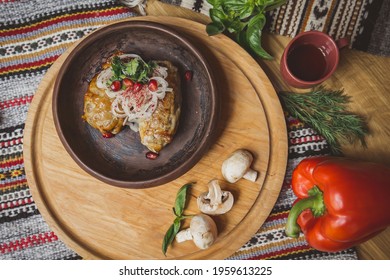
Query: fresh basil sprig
[
  {"x": 178, "y": 210},
  {"x": 244, "y": 19}
]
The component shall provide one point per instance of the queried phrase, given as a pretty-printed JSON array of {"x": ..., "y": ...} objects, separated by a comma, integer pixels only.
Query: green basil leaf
[
  {"x": 215, "y": 3},
  {"x": 257, "y": 22},
  {"x": 168, "y": 238},
  {"x": 242, "y": 8},
  {"x": 176, "y": 225},
  {"x": 181, "y": 198},
  {"x": 170, "y": 235},
  {"x": 214, "y": 28},
  {"x": 217, "y": 15},
  {"x": 241, "y": 39},
  {"x": 236, "y": 26},
  {"x": 253, "y": 36}
]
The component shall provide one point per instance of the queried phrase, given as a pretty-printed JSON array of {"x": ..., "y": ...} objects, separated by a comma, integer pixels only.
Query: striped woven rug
[{"x": 33, "y": 34}]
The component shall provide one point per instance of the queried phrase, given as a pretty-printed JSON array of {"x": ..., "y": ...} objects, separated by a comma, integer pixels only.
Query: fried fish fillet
[
  {"x": 158, "y": 130},
  {"x": 97, "y": 110}
]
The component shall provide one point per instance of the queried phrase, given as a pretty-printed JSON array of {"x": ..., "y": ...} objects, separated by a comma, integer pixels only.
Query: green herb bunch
[
  {"x": 325, "y": 111},
  {"x": 136, "y": 69},
  {"x": 244, "y": 19},
  {"x": 178, "y": 210}
]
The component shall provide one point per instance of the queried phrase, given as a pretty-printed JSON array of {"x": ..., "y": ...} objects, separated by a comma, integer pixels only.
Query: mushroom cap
[
  {"x": 203, "y": 230},
  {"x": 236, "y": 165}
]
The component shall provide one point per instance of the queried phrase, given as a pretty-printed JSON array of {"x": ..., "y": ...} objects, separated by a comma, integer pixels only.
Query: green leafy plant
[
  {"x": 136, "y": 69},
  {"x": 325, "y": 111},
  {"x": 178, "y": 210},
  {"x": 243, "y": 19}
]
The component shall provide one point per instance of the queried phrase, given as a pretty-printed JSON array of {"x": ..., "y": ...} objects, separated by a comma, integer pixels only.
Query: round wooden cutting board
[{"x": 100, "y": 221}]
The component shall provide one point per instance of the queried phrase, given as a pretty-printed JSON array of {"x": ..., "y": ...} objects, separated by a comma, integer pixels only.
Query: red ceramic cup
[{"x": 310, "y": 58}]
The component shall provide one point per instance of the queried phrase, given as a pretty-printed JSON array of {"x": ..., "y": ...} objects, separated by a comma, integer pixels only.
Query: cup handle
[{"x": 342, "y": 42}]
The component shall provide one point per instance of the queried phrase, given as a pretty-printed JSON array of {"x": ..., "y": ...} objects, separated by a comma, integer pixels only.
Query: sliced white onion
[
  {"x": 128, "y": 105},
  {"x": 134, "y": 106},
  {"x": 151, "y": 107},
  {"x": 161, "y": 71},
  {"x": 112, "y": 94},
  {"x": 102, "y": 81},
  {"x": 115, "y": 108},
  {"x": 162, "y": 87},
  {"x": 104, "y": 77}
]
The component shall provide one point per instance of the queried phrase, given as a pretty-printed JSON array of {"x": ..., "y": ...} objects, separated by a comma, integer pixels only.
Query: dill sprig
[{"x": 325, "y": 111}]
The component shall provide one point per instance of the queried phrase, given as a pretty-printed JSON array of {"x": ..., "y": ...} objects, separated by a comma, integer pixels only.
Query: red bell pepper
[{"x": 341, "y": 202}]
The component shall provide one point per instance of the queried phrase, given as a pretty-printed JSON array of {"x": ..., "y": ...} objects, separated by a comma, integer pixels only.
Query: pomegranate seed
[
  {"x": 151, "y": 155},
  {"x": 116, "y": 85},
  {"x": 152, "y": 85},
  {"x": 188, "y": 75},
  {"x": 137, "y": 87},
  {"x": 127, "y": 83},
  {"x": 108, "y": 135}
]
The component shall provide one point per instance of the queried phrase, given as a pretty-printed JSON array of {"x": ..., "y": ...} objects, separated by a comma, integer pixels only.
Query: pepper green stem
[{"x": 315, "y": 202}]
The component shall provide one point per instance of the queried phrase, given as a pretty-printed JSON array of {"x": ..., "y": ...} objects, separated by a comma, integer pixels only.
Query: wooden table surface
[
  {"x": 99, "y": 221},
  {"x": 363, "y": 76}
]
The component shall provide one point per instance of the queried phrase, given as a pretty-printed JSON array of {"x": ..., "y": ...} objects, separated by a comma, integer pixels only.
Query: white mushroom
[
  {"x": 237, "y": 166},
  {"x": 202, "y": 231},
  {"x": 215, "y": 201}
]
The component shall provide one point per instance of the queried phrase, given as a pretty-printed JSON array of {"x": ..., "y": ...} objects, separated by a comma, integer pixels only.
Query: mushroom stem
[
  {"x": 216, "y": 201},
  {"x": 250, "y": 175},
  {"x": 215, "y": 193},
  {"x": 184, "y": 235}
]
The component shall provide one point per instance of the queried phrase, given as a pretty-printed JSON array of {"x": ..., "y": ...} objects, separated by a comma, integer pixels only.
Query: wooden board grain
[{"x": 100, "y": 221}]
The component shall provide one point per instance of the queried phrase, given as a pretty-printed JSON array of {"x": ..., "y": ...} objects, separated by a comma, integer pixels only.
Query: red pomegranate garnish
[
  {"x": 128, "y": 83},
  {"x": 152, "y": 85},
  {"x": 188, "y": 75},
  {"x": 151, "y": 155},
  {"x": 116, "y": 85}
]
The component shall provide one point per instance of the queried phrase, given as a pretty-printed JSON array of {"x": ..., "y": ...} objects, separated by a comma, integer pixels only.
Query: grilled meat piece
[
  {"x": 97, "y": 110},
  {"x": 158, "y": 130}
]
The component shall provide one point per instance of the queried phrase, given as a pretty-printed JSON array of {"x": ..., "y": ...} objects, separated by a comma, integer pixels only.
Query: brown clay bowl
[{"x": 120, "y": 161}]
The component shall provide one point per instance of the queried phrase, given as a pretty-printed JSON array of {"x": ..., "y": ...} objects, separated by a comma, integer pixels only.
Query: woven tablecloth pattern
[
  {"x": 33, "y": 34},
  {"x": 364, "y": 22}
]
